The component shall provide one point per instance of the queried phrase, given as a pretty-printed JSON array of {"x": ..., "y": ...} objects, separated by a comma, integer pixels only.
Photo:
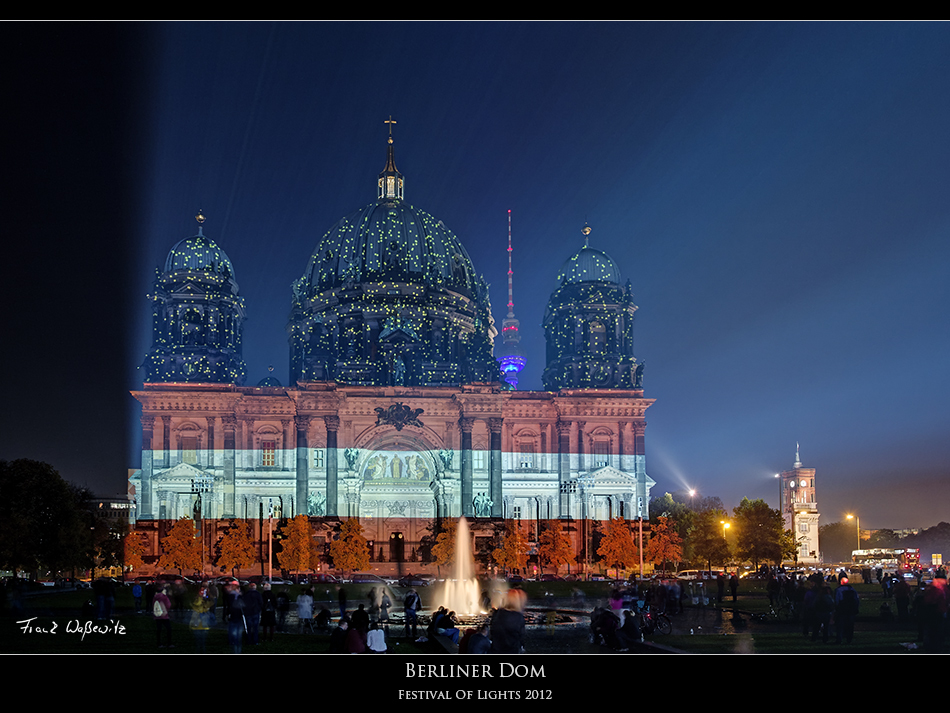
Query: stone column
[
  {"x": 629, "y": 511},
  {"x": 621, "y": 461},
  {"x": 496, "y": 477},
  {"x": 166, "y": 441},
  {"x": 563, "y": 467},
  {"x": 229, "y": 421},
  {"x": 303, "y": 451},
  {"x": 465, "y": 427},
  {"x": 145, "y": 497},
  {"x": 209, "y": 461},
  {"x": 332, "y": 462},
  {"x": 639, "y": 428},
  {"x": 251, "y": 460},
  {"x": 580, "y": 447},
  {"x": 286, "y": 440}
]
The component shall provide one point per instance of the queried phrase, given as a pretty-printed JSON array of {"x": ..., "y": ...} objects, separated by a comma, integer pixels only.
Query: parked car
[
  {"x": 367, "y": 578},
  {"x": 416, "y": 580}
]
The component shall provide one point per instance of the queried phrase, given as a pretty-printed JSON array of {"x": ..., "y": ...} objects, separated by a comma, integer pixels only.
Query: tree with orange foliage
[
  {"x": 236, "y": 549},
  {"x": 513, "y": 553},
  {"x": 665, "y": 543},
  {"x": 350, "y": 552},
  {"x": 444, "y": 548},
  {"x": 297, "y": 545},
  {"x": 555, "y": 548},
  {"x": 134, "y": 544},
  {"x": 180, "y": 547},
  {"x": 617, "y": 548}
]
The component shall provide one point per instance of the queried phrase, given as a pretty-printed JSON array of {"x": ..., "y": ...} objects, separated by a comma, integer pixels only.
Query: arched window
[{"x": 598, "y": 337}]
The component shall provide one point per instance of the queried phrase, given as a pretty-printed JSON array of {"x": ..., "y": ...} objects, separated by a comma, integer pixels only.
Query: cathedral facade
[{"x": 397, "y": 411}]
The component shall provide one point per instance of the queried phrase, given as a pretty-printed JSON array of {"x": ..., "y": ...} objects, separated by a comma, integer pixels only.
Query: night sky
[{"x": 777, "y": 195}]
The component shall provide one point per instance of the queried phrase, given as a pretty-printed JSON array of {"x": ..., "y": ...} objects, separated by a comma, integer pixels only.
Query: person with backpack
[
  {"x": 161, "y": 608},
  {"x": 847, "y": 604}
]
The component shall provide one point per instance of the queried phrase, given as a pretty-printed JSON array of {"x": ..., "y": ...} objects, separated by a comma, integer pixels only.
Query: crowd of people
[{"x": 826, "y": 606}]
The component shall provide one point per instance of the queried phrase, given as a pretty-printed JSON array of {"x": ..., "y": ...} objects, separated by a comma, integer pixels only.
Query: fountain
[{"x": 461, "y": 593}]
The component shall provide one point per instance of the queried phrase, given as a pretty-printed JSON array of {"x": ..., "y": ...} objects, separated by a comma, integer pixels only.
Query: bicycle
[{"x": 654, "y": 622}]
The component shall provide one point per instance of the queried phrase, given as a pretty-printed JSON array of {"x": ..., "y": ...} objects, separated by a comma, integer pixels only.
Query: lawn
[{"x": 58, "y": 627}]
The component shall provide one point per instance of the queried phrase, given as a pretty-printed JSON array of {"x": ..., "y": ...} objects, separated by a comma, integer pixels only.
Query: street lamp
[
  {"x": 857, "y": 527},
  {"x": 725, "y": 526}
]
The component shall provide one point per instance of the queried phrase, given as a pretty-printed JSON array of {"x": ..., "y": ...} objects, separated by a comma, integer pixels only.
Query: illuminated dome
[
  {"x": 391, "y": 240},
  {"x": 589, "y": 265},
  {"x": 390, "y": 297},
  {"x": 197, "y": 316},
  {"x": 198, "y": 254},
  {"x": 588, "y": 326}
]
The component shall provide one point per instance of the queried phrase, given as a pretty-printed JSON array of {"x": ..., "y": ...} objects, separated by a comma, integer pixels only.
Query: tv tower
[{"x": 511, "y": 356}]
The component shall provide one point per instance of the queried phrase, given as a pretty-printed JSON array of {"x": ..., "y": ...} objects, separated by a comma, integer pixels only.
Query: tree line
[
  {"x": 838, "y": 539},
  {"x": 46, "y": 525}
]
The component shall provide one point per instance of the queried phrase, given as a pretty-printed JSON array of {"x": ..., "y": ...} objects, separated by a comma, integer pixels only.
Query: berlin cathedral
[{"x": 400, "y": 408}]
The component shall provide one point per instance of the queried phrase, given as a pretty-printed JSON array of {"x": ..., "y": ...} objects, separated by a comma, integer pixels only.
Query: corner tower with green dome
[
  {"x": 197, "y": 316},
  {"x": 390, "y": 298},
  {"x": 588, "y": 326}
]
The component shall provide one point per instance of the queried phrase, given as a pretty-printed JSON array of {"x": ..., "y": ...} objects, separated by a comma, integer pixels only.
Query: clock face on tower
[{"x": 804, "y": 483}]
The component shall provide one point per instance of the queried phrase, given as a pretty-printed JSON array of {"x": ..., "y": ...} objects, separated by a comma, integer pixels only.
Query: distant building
[
  {"x": 800, "y": 509},
  {"x": 113, "y": 510}
]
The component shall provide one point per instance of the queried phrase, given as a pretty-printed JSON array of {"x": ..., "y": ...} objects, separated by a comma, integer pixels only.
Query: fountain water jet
[{"x": 461, "y": 593}]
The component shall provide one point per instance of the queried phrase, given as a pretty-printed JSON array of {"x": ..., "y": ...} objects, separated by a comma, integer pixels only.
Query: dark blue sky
[{"x": 776, "y": 193}]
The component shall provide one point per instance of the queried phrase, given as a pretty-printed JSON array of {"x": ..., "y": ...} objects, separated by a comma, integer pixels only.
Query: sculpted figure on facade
[
  {"x": 375, "y": 467},
  {"x": 483, "y": 505},
  {"x": 316, "y": 504}
]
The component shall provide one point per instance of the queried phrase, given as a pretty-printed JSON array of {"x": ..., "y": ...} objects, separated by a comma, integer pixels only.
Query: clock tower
[{"x": 800, "y": 509}]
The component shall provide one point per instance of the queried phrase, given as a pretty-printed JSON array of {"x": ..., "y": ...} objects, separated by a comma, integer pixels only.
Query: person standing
[
  {"x": 847, "y": 604},
  {"x": 305, "y": 608},
  {"x": 507, "y": 625},
  {"x": 161, "y": 611},
  {"x": 200, "y": 619},
  {"x": 137, "y": 595},
  {"x": 384, "y": 605},
  {"x": 734, "y": 585},
  {"x": 236, "y": 623},
  {"x": 269, "y": 612},
  {"x": 411, "y": 608},
  {"x": 283, "y": 606},
  {"x": 253, "y": 606}
]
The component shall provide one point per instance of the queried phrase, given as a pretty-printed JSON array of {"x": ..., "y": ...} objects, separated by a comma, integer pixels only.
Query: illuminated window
[
  {"x": 317, "y": 457},
  {"x": 526, "y": 457},
  {"x": 268, "y": 452},
  {"x": 478, "y": 460}
]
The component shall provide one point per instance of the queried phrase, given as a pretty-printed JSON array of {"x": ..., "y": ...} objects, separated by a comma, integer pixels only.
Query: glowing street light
[{"x": 857, "y": 527}]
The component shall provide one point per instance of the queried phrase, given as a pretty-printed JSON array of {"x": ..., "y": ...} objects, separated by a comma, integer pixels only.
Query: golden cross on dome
[{"x": 390, "y": 122}]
